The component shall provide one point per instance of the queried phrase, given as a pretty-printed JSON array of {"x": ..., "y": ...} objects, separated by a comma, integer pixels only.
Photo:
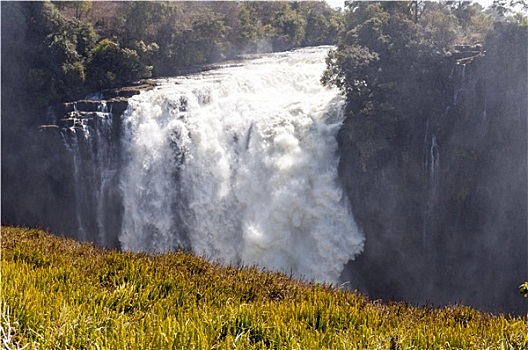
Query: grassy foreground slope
[{"x": 60, "y": 294}]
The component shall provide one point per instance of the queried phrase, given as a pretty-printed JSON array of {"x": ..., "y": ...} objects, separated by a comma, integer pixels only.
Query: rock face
[
  {"x": 115, "y": 100},
  {"x": 91, "y": 130},
  {"x": 74, "y": 177},
  {"x": 466, "y": 53},
  {"x": 445, "y": 219}
]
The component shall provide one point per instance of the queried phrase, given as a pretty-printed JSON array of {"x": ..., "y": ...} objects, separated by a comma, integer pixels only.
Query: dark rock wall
[
  {"x": 445, "y": 217},
  {"x": 36, "y": 182},
  {"x": 36, "y": 188}
]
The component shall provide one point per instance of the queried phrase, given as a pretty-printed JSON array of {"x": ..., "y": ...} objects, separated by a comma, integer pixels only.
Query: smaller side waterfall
[
  {"x": 89, "y": 138},
  {"x": 434, "y": 163},
  {"x": 432, "y": 175}
]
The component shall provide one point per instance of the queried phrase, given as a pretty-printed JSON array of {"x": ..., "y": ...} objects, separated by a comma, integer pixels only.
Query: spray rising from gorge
[{"x": 238, "y": 164}]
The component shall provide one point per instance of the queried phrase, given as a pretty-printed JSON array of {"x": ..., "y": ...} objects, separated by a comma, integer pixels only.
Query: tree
[
  {"x": 207, "y": 38},
  {"x": 81, "y": 8},
  {"x": 290, "y": 26},
  {"x": 142, "y": 20},
  {"x": 59, "y": 48},
  {"x": 390, "y": 74},
  {"x": 110, "y": 65},
  {"x": 86, "y": 37},
  {"x": 349, "y": 69},
  {"x": 249, "y": 27},
  {"x": 504, "y": 7},
  {"x": 439, "y": 25}
]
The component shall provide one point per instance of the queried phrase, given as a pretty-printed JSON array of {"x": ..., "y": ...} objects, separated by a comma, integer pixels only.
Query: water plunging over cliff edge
[{"x": 239, "y": 164}]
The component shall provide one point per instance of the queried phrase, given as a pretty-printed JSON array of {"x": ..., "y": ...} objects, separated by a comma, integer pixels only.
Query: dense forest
[{"x": 69, "y": 48}]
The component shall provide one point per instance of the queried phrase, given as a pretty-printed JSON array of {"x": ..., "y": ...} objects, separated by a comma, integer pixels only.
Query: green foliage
[
  {"x": 207, "y": 42},
  {"x": 347, "y": 66},
  {"x": 290, "y": 26},
  {"x": 80, "y": 8},
  {"x": 439, "y": 24},
  {"x": 391, "y": 65},
  {"x": 139, "y": 39},
  {"x": 249, "y": 27},
  {"x": 523, "y": 289},
  {"x": 474, "y": 23},
  {"x": 504, "y": 7},
  {"x": 58, "y": 293},
  {"x": 323, "y": 26},
  {"x": 381, "y": 58},
  {"x": 58, "y": 53},
  {"x": 104, "y": 59},
  {"x": 142, "y": 20},
  {"x": 317, "y": 28},
  {"x": 86, "y": 37},
  {"x": 110, "y": 65},
  {"x": 403, "y": 46}
]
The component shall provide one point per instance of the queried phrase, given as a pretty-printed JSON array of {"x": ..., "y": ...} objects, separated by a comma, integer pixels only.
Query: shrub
[{"x": 110, "y": 65}]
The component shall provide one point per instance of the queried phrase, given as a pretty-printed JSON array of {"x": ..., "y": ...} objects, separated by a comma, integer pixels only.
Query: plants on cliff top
[
  {"x": 110, "y": 65},
  {"x": 57, "y": 57},
  {"x": 391, "y": 64},
  {"x": 390, "y": 70}
]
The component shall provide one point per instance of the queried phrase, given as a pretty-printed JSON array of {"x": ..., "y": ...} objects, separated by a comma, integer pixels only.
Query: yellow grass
[{"x": 60, "y": 294}]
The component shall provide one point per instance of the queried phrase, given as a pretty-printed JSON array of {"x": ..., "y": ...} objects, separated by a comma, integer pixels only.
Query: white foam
[{"x": 258, "y": 181}]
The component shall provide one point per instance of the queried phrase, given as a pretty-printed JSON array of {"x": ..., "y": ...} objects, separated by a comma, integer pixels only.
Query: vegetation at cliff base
[{"x": 61, "y": 294}]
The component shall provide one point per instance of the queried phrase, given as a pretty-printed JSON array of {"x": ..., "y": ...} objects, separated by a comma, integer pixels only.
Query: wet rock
[
  {"x": 128, "y": 91},
  {"x": 103, "y": 105},
  {"x": 466, "y": 53}
]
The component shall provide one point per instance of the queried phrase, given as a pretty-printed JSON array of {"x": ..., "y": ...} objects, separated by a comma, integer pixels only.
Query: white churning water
[{"x": 239, "y": 164}]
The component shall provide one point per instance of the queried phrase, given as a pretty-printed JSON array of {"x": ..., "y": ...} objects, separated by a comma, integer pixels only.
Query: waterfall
[
  {"x": 73, "y": 148},
  {"x": 431, "y": 166},
  {"x": 434, "y": 154},
  {"x": 239, "y": 164},
  {"x": 89, "y": 138},
  {"x": 460, "y": 82}
]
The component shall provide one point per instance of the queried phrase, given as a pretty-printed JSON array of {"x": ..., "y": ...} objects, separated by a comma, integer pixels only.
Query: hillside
[{"x": 58, "y": 293}]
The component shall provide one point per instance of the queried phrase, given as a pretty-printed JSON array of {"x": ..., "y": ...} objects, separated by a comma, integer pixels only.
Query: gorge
[{"x": 258, "y": 163}]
